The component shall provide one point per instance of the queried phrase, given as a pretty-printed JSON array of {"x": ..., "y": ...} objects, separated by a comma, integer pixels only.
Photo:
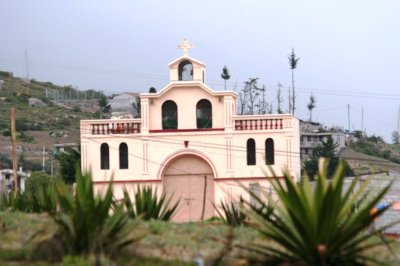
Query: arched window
[
  {"x": 123, "y": 156},
  {"x": 204, "y": 114},
  {"x": 269, "y": 152},
  {"x": 104, "y": 156},
  {"x": 251, "y": 152},
  {"x": 169, "y": 115},
  {"x": 185, "y": 70}
]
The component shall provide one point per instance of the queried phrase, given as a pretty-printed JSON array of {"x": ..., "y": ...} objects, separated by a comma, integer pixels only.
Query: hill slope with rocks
[{"x": 41, "y": 120}]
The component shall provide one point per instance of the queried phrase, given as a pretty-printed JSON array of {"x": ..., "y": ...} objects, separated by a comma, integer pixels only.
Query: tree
[
  {"x": 69, "y": 163},
  {"x": 242, "y": 103},
  {"x": 105, "y": 108},
  {"x": 263, "y": 106},
  {"x": 279, "y": 99},
  {"x": 137, "y": 107},
  {"x": 311, "y": 105},
  {"x": 225, "y": 75},
  {"x": 396, "y": 137},
  {"x": 251, "y": 92},
  {"x": 293, "y": 65},
  {"x": 325, "y": 150}
]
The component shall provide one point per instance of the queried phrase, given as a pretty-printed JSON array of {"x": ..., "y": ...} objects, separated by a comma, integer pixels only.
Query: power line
[{"x": 336, "y": 92}]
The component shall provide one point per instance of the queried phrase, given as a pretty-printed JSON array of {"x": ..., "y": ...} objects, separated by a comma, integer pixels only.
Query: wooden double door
[{"x": 190, "y": 180}]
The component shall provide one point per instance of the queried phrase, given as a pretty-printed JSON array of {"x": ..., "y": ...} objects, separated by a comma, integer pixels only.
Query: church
[{"x": 190, "y": 143}]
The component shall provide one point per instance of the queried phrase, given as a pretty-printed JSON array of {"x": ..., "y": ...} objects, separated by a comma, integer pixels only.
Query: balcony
[
  {"x": 108, "y": 127},
  {"x": 262, "y": 122}
]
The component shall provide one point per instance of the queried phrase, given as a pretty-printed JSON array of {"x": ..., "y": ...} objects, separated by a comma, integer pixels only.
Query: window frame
[
  {"x": 104, "y": 156},
  {"x": 171, "y": 123},
  {"x": 251, "y": 152},
  {"x": 123, "y": 156}
]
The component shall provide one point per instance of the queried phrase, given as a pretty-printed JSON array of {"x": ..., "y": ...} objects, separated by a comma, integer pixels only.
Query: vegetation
[
  {"x": 375, "y": 146},
  {"x": 87, "y": 224},
  {"x": 293, "y": 61},
  {"x": 232, "y": 214},
  {"x": 137, "y": 107},
  {"x": 318, "y": 225},
  {"x": 17, "y": 92},
  {"x": 69, "y": 164},
  {"x": 43, "y": 200},
  {"x": 311, "y": 105},
  {"x": 105, "y": 108},
  {"x": 325, "y": 150},
  {"x": 225, "y": 75},
  {"x": 148, "y": 206}
]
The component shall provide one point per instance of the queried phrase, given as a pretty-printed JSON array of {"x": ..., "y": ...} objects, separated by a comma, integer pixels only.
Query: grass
[{"x": 164, "y": 243}]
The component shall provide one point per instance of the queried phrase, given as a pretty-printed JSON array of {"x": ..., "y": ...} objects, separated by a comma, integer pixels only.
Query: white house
[{"x": 190, "y": 143}]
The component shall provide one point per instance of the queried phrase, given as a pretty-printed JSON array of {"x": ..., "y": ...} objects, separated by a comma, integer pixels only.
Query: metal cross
[{"x": 185, "y": 46}]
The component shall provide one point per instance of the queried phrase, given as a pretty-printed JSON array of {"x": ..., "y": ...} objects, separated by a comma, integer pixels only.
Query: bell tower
[{"x": 186, "y": 68}]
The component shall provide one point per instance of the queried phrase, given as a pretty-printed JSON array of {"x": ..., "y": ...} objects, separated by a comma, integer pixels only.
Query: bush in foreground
[{"x": 319, "y": 225}]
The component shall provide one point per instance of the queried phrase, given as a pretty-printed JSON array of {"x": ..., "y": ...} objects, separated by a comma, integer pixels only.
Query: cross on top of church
[{"x": 185, "y": 46}]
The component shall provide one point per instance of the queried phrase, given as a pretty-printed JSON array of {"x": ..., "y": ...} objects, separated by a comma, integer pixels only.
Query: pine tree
[
  {"x": 311, "y": 105},
  {"x": 105, "y": 108},
  {"x": 293, "y": 65},
  {"x": 225, "y": 75}
]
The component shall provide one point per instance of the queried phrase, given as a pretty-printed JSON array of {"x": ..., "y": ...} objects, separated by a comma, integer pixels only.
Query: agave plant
[
  {"x": 87, "y": 222},
  {"x": 148, "y": 206},
  {"x": 318, "y": 225},
  {"x": 44, "y": 200},
  {"x": 232, "y": 213}
]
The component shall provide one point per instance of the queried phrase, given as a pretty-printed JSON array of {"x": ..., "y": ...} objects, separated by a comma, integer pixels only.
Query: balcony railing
[
  {"x": 107, "y": 127},
  {"x": 262, "y": 122}
]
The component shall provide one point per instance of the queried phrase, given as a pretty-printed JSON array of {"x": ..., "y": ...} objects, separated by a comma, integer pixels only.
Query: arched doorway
[{"x": 190, "y": 179}]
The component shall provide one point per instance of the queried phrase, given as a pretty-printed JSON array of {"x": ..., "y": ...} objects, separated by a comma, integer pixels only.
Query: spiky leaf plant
[
  {"x": 89, "y": 223},
  {"x": 232, "y": 213},
  {"x": 43, "y": 200},
  {"x": 318, "y": 225},
  {"x": 148, "y": 206}
]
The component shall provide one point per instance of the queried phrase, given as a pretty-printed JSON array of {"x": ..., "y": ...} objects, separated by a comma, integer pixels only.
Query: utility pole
[
  {"x": 14, "y": 150},
  {"x": 348, "y": 116},
  {"x": 44, "y": 160},
  {"x": 27, "y": 66},
  {"x": 362, "y": 118}
]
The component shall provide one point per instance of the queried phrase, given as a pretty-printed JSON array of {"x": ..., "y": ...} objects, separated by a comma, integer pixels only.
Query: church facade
[{"x": 190, "y": 143}]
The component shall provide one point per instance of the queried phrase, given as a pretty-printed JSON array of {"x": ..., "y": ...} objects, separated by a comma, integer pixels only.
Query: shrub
[
  {"x": 319, "y": 225},
  {"x": 232, "y": 214},
  {"x": 147, "y": 206},
  {"x": 87, "y": 222},
  {"x": 70, "y": 162},
  {"x": 6, "y": 133},
  {"x": 43, "y": 200}
]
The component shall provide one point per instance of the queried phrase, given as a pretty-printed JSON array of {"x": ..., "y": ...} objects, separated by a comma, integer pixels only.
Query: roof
[{"x": 187, "y": 58}]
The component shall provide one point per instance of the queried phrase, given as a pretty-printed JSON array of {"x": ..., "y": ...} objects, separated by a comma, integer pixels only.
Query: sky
[{"x": 349, "y": 50}]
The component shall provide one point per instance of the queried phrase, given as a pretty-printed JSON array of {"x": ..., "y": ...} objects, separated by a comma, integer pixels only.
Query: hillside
[
  {"x": 372, "y": 155},
  {"x": 50, "y": 121}
]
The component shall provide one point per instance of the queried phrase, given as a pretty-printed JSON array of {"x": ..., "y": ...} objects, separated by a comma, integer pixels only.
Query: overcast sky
[{"x": 349, "y": 50}]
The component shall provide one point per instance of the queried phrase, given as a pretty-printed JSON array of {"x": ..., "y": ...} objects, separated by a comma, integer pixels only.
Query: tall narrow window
[
  {"x": 185, "y": 71},
  {"x": 104, "y": 156},
  {"x": 169, "y": 115},
  {"x": 251, "y": 152},
  {"x": 269, "y": 152},
  {"x": 204, "y": 114},
  {"x": 123, "y": 156}
]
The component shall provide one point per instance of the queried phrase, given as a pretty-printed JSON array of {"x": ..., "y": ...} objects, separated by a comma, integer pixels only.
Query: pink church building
[{"x": 190, "y": 143}]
